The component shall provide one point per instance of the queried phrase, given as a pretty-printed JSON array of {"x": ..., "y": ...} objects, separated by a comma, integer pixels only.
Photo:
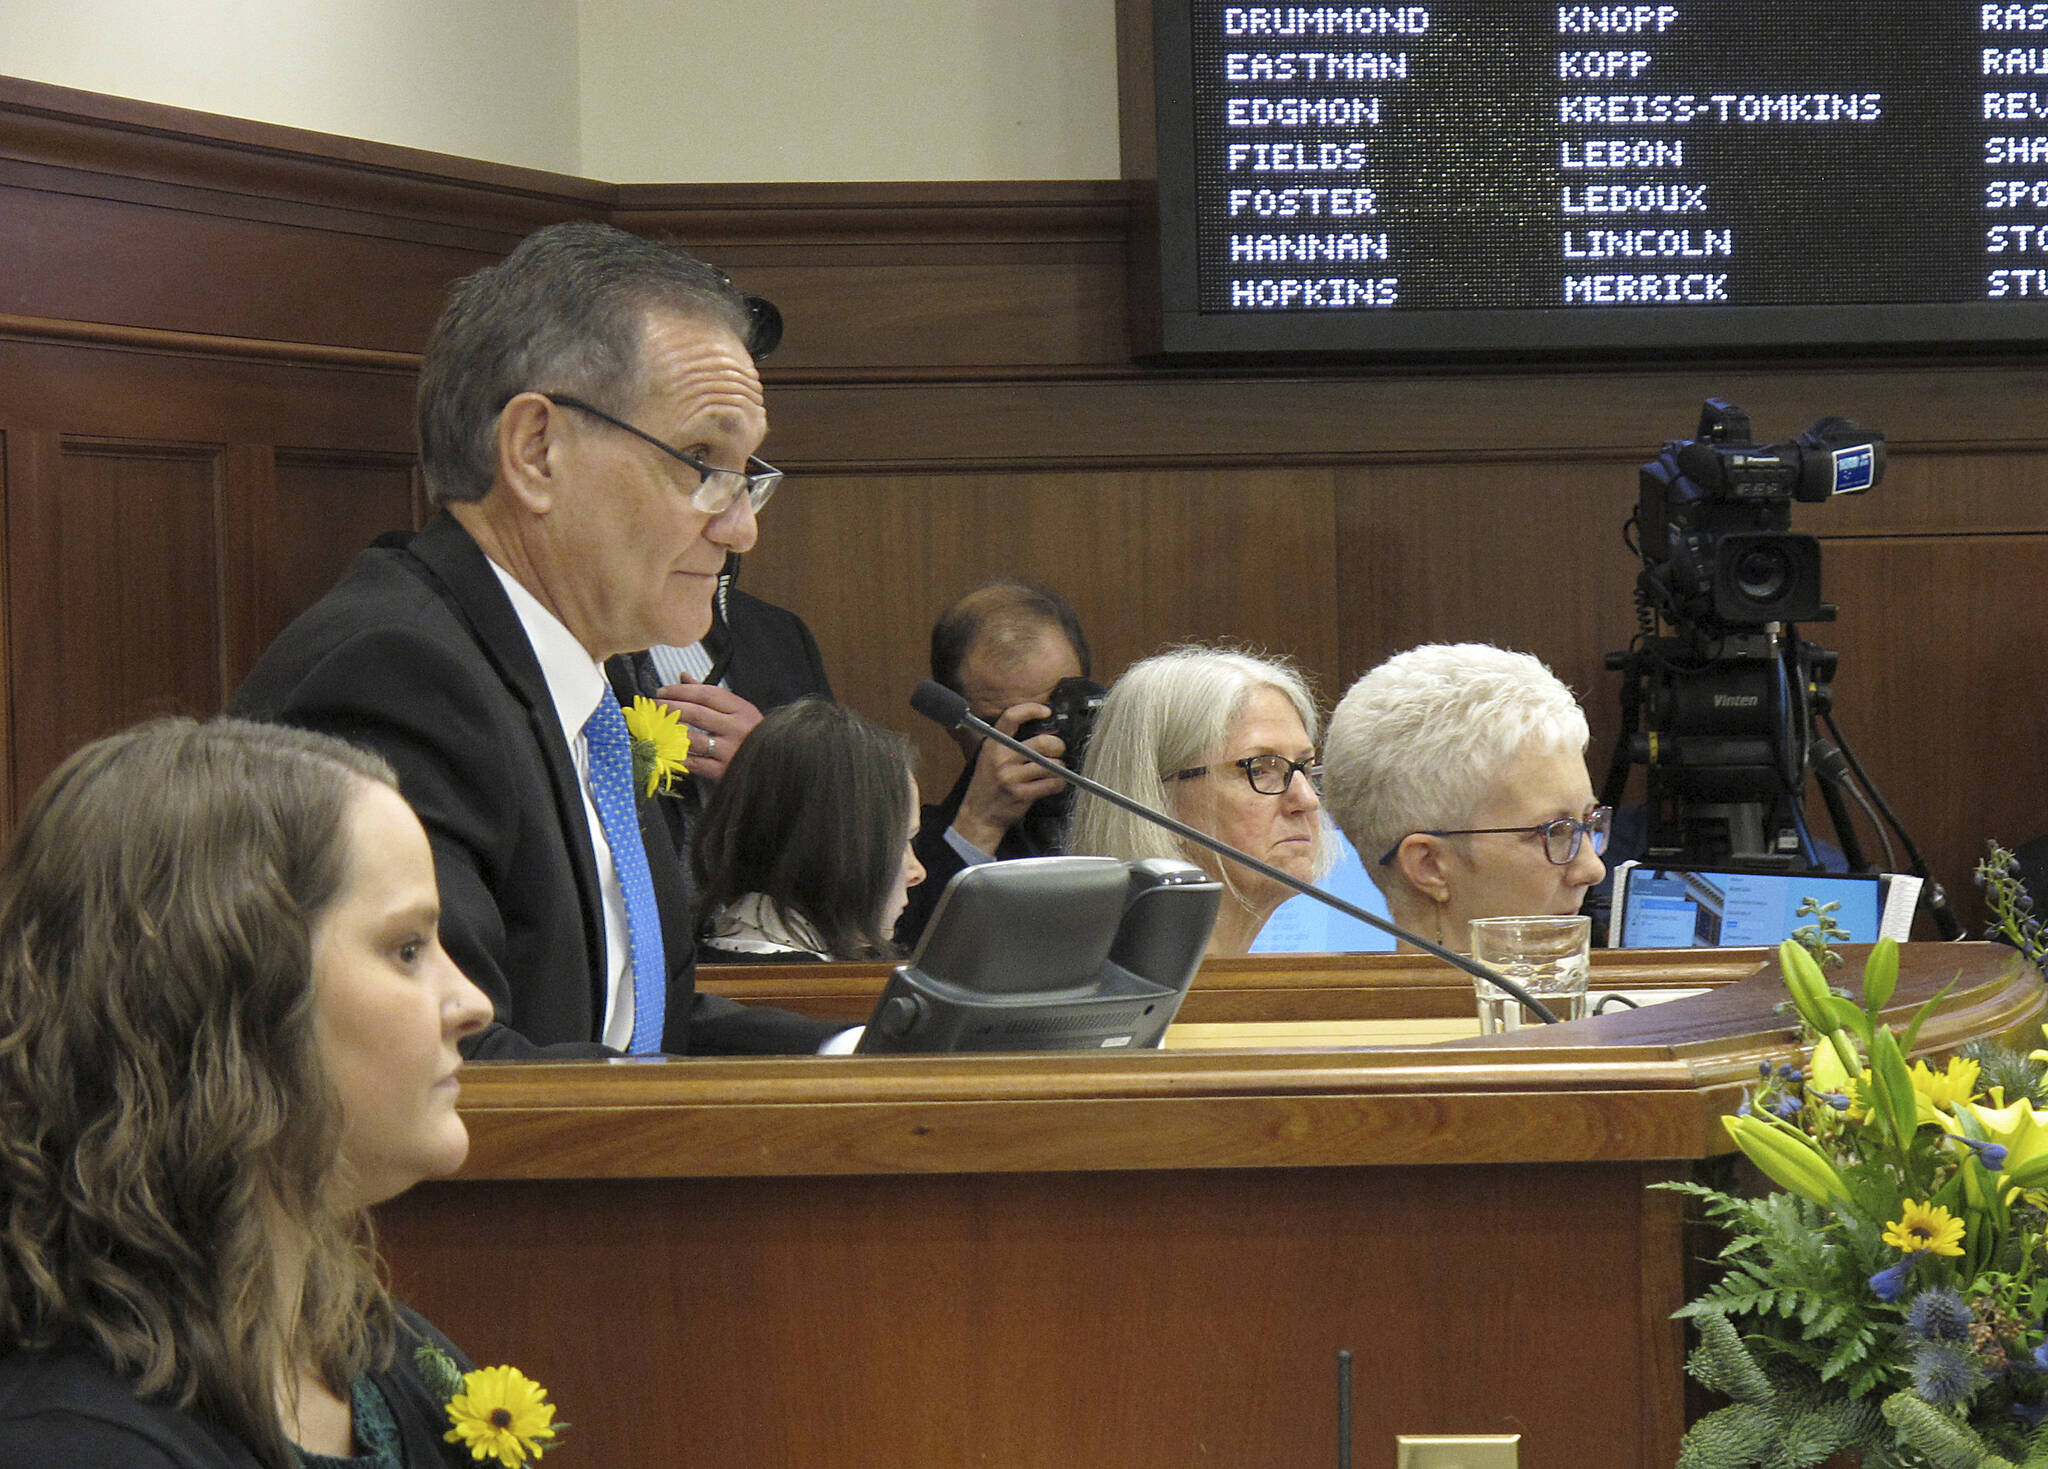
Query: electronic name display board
[{"x": 1458, "y": 177}]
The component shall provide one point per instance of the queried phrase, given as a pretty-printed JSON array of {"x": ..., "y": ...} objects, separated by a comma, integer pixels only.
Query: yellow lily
[
  {"x": 1934, "y": 1092},
  {"x": 2022, "y": 1130},
  {"x": 1789, "y": 1159},
  {"x": 1826, "y": 1073}
]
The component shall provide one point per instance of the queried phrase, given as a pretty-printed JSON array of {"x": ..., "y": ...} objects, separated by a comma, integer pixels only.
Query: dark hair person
[
  {"x": 227, "y": 1027},
  {"x": 804, "y": 847}
]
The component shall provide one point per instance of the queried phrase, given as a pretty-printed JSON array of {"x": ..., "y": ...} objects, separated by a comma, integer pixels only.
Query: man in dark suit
[
  {"x": 1002, "y": 647},
  {"x": 589, "y": 412},
  {"x": 757, "y": 657}
]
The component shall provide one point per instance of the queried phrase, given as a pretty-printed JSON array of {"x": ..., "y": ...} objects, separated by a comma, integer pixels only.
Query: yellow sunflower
[
  {"x": 1950, "y": 1087},
  {"x": 661, "y": 745},
  {"x": 501, "y": 1414},
  {"x": 1927, "y": 1227}
]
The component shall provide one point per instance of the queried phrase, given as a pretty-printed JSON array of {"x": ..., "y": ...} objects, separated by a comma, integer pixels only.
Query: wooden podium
[{"x": 1138, "y": 1261}]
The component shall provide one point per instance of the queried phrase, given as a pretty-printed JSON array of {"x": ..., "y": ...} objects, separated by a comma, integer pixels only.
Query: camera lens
[{"x": 1763, "y": 573}]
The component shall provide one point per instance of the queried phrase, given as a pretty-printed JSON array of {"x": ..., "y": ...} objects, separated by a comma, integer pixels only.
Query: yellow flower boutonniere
[
  {"x": 498, "y": 1413},
  {"x": 661, "y": 745}
]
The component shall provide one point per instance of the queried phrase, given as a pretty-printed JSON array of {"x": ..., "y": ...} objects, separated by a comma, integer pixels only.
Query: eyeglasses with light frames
[
  {"x": 717, "y": 488},
  {"x": 1561, "y": 838}
]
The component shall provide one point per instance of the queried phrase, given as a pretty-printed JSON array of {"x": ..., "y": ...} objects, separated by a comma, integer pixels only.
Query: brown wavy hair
[{"x": 166, "y": 1121}]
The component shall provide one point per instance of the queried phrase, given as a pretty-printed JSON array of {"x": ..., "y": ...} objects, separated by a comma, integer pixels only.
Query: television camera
[{"x": 1719, "y": 709}]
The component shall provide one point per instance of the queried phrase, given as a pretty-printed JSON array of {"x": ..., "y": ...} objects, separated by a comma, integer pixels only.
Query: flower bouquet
[{"x": 1889, "y": 1302}]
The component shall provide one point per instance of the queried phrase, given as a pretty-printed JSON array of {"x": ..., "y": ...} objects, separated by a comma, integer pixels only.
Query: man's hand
[
  {"x": 1005, "y": 783},
  {"x": 718, "y": 718}
]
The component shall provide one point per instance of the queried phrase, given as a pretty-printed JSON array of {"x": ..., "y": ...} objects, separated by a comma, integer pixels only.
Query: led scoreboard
[{"x": 1478, "y": 175}]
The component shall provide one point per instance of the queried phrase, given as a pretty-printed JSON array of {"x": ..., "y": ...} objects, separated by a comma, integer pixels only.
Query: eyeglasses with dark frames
[
  {"x": 1561, "y": 838},
  {"x": 1269, "y": 775},
  {"x": 717, "y": 488}
]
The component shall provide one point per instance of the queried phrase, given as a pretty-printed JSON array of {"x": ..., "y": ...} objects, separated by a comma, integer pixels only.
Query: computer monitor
[
  {"x": 1050, "y": 954},
  {"x": 1675, "y": 906}
]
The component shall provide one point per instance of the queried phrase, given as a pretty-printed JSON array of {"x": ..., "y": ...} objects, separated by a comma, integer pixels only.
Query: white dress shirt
[{"x": 576, "y": 683}]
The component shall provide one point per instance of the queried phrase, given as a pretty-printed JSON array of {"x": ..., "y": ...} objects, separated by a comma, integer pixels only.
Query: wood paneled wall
[{"x": 207, "y": 339}]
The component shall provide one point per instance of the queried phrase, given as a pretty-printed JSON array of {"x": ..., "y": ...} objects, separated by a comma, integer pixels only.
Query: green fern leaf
[{"x": 1850, "y": 1348}]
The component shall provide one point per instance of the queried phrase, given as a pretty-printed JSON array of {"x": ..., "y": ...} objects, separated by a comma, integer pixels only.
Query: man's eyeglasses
[
  {"x": 1269, "y": 775},
  {"x": 1561, "y": 838},
  {"x": 716, "y": 488}
]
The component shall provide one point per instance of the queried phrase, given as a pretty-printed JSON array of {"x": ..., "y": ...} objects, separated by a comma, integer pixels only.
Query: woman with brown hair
[
  {"x": 227, "y": 1028},
  {"x": 804, "y": 849}
]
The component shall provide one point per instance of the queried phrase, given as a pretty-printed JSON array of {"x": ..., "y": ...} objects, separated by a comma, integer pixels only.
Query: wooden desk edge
[{"x": 1647, "y": 1085}]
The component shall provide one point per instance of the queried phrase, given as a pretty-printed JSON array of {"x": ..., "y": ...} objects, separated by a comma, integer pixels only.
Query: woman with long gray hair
[{"x": 1225, "y": 741}]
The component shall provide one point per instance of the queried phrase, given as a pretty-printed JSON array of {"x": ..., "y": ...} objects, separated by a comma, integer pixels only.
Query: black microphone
[{"x": 949, "y": 710}]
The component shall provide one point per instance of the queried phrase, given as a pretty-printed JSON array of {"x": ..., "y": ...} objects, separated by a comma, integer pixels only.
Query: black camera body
[
  {"x": 1074, "y": 703},
  {"x": 1714, "y": 518}
]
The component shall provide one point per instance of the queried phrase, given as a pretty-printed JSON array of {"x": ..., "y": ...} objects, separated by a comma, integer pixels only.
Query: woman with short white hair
[
  {"x": 1459, "y": 773},
  {"x": 1226, "y": 742}
]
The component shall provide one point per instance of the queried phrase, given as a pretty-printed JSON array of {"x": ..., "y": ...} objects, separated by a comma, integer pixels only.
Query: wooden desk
[
  {"x": 1137, "y": 1261},
  {"x": 1266, "y": 988}
]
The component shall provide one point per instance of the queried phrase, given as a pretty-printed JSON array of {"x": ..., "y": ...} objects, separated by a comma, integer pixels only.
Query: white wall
[
  {"x": 810, "y": 90},
  {"x": 629, "y": 91},
  {"x": 491, "y": 79}
]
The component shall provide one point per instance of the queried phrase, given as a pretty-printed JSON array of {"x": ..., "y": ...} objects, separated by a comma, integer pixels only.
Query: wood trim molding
[
  {"x": 62, "y": 127},
  {"x": 849, "y": 214},
  {"x": 204, "y": 344}
]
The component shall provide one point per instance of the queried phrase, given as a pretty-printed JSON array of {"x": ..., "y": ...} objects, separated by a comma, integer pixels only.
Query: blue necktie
[{"x": 611, "y": 785}]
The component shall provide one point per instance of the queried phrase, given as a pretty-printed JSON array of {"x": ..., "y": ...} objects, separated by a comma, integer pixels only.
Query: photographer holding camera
[{"x": 1015, "y": 651}]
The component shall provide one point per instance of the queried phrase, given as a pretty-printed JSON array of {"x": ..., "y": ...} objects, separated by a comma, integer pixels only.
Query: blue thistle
[
  {"x": 1944, "y": 1376},
  {"x": 1939, "y": 1315},
  {"x": 1890, "y": 1282}
]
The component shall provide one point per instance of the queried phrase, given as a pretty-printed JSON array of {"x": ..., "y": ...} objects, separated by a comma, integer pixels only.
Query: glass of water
[{"x": 1548, "y": 955}]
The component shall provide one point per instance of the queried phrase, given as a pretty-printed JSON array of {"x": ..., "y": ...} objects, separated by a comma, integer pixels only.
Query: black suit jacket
[
  {"x": 417, "y": 654},
  {"x": 771, "y": 659}
]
